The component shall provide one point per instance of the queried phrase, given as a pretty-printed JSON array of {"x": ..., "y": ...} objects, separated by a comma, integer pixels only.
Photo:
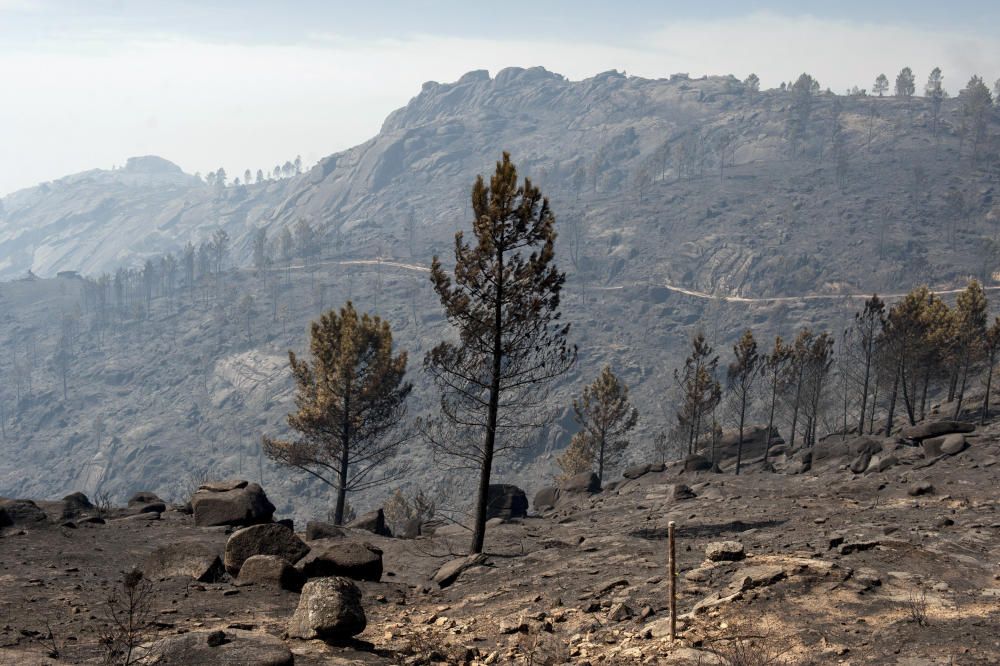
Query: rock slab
[
  {"x": 360, "y": 561},
  {"x": 234, "y": 646},
  {"x": 229, "y": 503},
  {"x": 272, "y": 539}
]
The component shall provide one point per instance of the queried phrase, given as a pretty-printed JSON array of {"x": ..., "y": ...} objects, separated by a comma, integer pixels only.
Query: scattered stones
[
  {"x": 232, "y": 646},
  {"x": 270, "y": 539},
  {"x": 231, "y": 503},
  {"x": 360, "y": 561},
  {"x": 725, "y": 551},
  {"x": 271, "y": 571},
  {"x": 920, "y": 488},
  {"x": 757, "y": 576},
  {"x": 450, "y": 571},
  {"x": 506, "y": 501},
  {"x": 620, "y": 612},
  {"x": 373, "y": 521},
  {"x": 329, "y": 609},
  {"x": 316, "y": 529},
  {"x": 185, "y": 559}
]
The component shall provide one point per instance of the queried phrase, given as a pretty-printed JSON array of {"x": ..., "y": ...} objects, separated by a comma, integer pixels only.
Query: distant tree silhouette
[
  {"x": 934, "y": 92},
  {"x": 742, "y": 378},
  {"x": 881, "y": 85}
]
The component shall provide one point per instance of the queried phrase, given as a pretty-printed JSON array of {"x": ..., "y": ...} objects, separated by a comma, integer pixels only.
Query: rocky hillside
[
  {"x": 678, "y": 202},
  {"x": 873, "y": 551}
]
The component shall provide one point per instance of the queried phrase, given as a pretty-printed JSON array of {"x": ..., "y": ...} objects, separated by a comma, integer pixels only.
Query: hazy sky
[{"x": 250, "y": 84}]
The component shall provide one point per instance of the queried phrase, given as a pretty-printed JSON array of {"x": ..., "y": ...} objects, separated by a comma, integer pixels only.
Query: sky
[{"x": 251, "y": 84}]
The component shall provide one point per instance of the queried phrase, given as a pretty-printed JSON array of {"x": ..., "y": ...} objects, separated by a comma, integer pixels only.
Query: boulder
[
  {"x": 861, "y": 463},
  {"x": 585, "y": 482},
  {"x": 185, "y": 559},
  {"x": 271, "y": 539},
  {"x": 410, "y": 529},
  {"x": 152, "y": 507},
  {"x": 351, "y": 559},
  {"x": 546, "y": 498},
  {"x": 885, "y": 462},
  {"x": 450, "y": 571},
  {"x": 932, "y": 446},
  {"x": 636, "y": 471},
  {"x": 22, "y": 511},
  {"x": 373, "y": 521},
  {"x": 224, "y": 485},
  {"x": 755, "y": 440},
  {"x": 316, "y": 529},
  {"x": 329, "y": 609},
  {"x": 244, "y": 504},
  {"x": 697, "y": 463},
  {"x": 231, "y": 646},
  {"x": 725, "y": 551},
  {"x": 506, "y": 501},
  {"x": 830, "y": 448},
  {"x": 143, "y": 497},
  {"x": 757, "y": 576},
  {"x": 862, "y": 445},
  {"x": 270, "y": 571},
  {"x": 74, "y": 504},
  {"x": 923, "y": 431},
  {"x": 920, "y": 488},
  {"x": 954, "y": 443},
  {"x": 680, "y": 492}
]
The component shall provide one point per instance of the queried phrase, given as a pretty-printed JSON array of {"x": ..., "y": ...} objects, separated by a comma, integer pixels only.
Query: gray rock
[
  {"x": 316, "y": 529},
  {"x": 861, "y": 463},
  {"x": 697, "y": 463},
  {"x": 920, "y": 488},
  {"x": 923, "y": 431},
  {"x": 410, "y": 529},
  {"x": 586, "y": 482},
  {"x": 154, "y": 507},
  {"x": 450, "y": 571},
  {"x": 224, "y": 485},
  {"x": 954, "y": 443},
  {"x": 185, "y": 559},
  {"x": 234, "y": 646},
  {"x": 757, "y": 576},
  {"x": 271, "y": 571},
  {"x": 23, "y": 512},
  {"x": 725, "y": 551},
  {"x": 272, "y": 539},
  {"x": 244, "y": 504},
  {"x": 329, "y": 609},
  {"x": 360, "y": 561},
  {"x": 373, "y": 521},
  {"x": 546, "y": 498},
  {"x": 680, "y": 492},
  {"x": 856, "y": 546},
  {"x": 506, "y": 501},
  {"x": 143, "y": 497},
  {"x": 75, "y": 504},
  {"x": 5, "y": 520},
  {"x": 636, "y": 471}
]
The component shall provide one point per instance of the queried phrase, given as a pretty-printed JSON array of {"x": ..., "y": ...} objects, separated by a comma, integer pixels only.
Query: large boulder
[
  {"x": 506, "y": 501},
  {"x": 360, "y": 561},
  {"x": 923, "y": 431},
  {"x": 755, "y": 441},
  {"x": 449, "y": 572},
  {"x": 329, "y": 609},
  {"x": 230, "y": 646},
  {"x": 697, "y": 463},
  {"x": 636, "y": 471},
  {"x": 270, "y": 571},
  {"x": 192, "y": 559},
  {"x": 22, "y": 511},
  {"x": 585, "y": 482},
  {"x": 231, "y": 503},
  {"x": 725, "y": 551},
  {"x": 860, "y": 464},
  {"x": 144, "y": 497},
  {"x": 546, "y": 498},
  {"x": 373, "y": 521},
  {"x": 271, "y": 539},
  {"x": 953, "y": 443},
  {"x": 75, "y": 504},
  {"x": 5, "y": 520},
  {"x": 316, "y": 529}
]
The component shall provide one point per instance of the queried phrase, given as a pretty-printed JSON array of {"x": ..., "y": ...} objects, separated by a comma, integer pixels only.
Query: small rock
[{"x": 920, "y": 488}]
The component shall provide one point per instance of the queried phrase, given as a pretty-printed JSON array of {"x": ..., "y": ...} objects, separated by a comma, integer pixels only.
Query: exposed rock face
[
  {"x": 187, "y": 559},
  {"x": 271, "y": 571},
  {"x": 586, "y": 482},
  {"x": 373, "y": 521},
  {"x": 316, "y": 529},
  {"x": 231, "y": 503},
  {"x": 506, "y": 501},
  {"x": 725, "y": 551},
  {"x": 329, "y": 609},
  {"x": 272, "y": 539},
  {"x": 923, "y": 431},
  {"x": 450, "y": 571},
  {"x": 232, "y": 647},
  {"x": 360, "y": 561},
  {"x": 755, "y": 440},
  {"x": 23, "y": 512}
]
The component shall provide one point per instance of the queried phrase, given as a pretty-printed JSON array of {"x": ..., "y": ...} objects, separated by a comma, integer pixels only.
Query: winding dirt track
[{"x": 672, "y": 287}]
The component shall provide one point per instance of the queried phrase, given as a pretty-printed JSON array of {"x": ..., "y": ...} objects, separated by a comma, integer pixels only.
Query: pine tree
[
  {"x": 700, "y": 390},
  {"x": 578, "y": 456},
  {"x": 503, "y": 299},
  {"x": 260, "y": 258},
  {"x": 350, "y": 403},
  {"x": 742, "y": 375},
  {"x": 976, "y": 110},
  {"x": 867, "y": 325},
  {"x": 881, "y": 85},
  {"x": 970, "y": 328},
  {"x": 751, "y": 85},
  {"x": 991, "y": 344},
  {"x": 775, "y": 368},
  {"x": 605, "y": 416},
  {"x": 905, "y": 84},
  {"x": 934, "y": 92}
]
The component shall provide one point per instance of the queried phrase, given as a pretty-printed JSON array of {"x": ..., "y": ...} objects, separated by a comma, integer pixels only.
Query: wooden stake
[{"x": 672, "y": 566}]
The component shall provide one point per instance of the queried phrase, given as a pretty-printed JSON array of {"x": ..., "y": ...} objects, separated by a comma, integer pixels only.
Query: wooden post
[{"x": 672, "y": 566}]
